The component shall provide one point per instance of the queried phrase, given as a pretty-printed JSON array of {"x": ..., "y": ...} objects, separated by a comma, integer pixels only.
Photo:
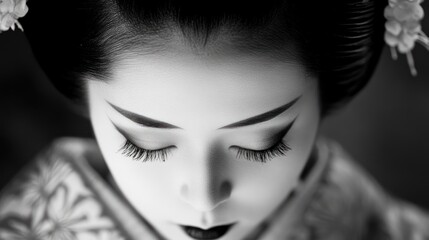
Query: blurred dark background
[{"x": 385, "y": 128}]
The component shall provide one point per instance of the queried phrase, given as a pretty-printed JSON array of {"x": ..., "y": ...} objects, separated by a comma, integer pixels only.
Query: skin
[{"x": 202, "y": 183}]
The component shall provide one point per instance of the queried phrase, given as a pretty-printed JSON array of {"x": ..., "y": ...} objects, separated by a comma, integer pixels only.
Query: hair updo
[{"x": 339, "y": 41}]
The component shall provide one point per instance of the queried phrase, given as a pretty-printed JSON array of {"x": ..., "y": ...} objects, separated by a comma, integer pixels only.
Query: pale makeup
[{"x": 202, "y": 182}]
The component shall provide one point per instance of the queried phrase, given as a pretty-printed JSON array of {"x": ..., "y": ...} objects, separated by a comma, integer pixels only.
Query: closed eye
[
  {"x": 278, "y": 149},
  {"x": 131, "y": 150}
]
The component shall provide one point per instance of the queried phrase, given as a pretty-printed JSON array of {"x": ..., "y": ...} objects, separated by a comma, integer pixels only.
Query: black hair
[{"x": 339, "y": 41}]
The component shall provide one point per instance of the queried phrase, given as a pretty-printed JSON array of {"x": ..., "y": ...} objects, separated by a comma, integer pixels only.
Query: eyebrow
[{"x": 153, "y": 123}]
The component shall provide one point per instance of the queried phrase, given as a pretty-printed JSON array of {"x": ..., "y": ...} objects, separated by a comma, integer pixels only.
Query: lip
[{"x": 206, "y": 234}]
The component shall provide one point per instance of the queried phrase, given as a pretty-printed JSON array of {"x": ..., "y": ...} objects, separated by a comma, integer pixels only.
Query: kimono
[{"x": 68, "y": 193}]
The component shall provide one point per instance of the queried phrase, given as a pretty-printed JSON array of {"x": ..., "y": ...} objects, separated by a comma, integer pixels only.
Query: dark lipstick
[{"x": 211, "y": 233}]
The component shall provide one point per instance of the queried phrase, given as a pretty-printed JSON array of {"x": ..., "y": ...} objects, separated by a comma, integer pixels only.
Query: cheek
[
  {"x": 258, "y": 190},
  {"x": 269, "y": 185},
  {"x": 263, "y": 187},
  {"x": 143, "y": 184}
]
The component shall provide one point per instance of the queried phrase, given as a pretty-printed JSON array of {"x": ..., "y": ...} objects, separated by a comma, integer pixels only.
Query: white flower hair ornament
[
  {"x": 10, "y": 11},
  {"x": 403, "y": 28}
]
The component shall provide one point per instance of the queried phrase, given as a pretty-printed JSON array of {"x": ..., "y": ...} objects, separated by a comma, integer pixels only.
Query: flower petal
[
  {"x": 393, "y": 27},
  {"x": 38, "y": 212},
  {"x": 6, "y": 22},
  {"x": 405, "y": 11},
  {"x": 57, "y": 204},
  {"x": 21, "y": 8},
  {"x": 390, "y": 39},
  {"x": 6, "y": 6}
]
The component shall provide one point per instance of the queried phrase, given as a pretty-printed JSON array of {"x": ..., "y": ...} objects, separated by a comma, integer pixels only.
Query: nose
[
  {"x": 205, "y": 196},
  {"x": 206, "y": 184}
]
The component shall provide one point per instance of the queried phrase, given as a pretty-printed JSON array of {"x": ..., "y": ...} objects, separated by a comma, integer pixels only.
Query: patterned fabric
[
  {"x": 349, "y": 204},
  {"x": 61, "y": 197},
  {"x": 51, "y": 201}
]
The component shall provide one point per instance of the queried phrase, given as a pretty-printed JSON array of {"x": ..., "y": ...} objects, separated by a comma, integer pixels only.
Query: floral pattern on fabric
[
  {"x": 349, "y": 204},
  {"x": 51, "y": 202}
]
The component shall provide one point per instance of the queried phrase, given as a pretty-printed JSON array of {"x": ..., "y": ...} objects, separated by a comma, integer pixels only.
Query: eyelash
[
  {"x": 137, "y": 153},
  {"x": 129, "y": 149},
  {"x": 278, "y": 149}
]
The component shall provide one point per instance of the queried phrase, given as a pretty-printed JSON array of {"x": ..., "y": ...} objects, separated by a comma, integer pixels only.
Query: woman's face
[{"x": 204, "y": 142}]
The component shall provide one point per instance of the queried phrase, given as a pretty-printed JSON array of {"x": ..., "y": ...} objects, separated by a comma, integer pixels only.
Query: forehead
[{"x": 185, "y": 90}]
